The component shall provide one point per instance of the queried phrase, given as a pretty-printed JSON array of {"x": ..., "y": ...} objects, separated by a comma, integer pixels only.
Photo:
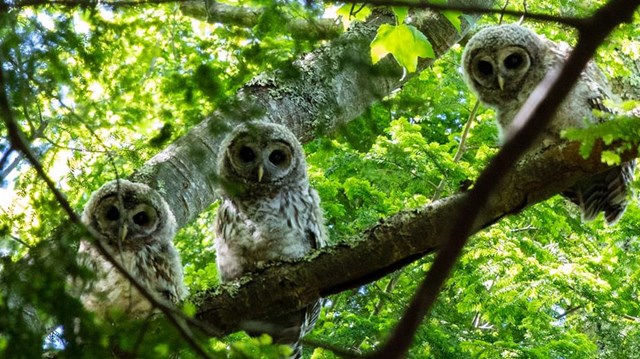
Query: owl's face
[
  {"x": 260, "y": 155},
  {"x": 499, "y": 63},
  {"x": 129, "y": 214}
]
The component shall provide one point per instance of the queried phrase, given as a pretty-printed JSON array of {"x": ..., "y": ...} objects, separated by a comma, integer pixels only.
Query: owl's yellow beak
[
  {"x": 124, "y": 231},
  {"x": 260, "y": 173},
  {"x": 501, "y": 82}
]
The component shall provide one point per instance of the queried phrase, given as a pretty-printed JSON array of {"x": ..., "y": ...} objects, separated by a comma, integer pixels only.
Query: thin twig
[
  {"x": 567, "y": 312},
  {"x": 16, "y": 138},
  {"x": 506, "y": 3},
  {"x": 19, "y": 241},
  {"x": 531, "y": 120},
  {"x": 461, "y": 147},
  {"x": 395, "y": 277}
]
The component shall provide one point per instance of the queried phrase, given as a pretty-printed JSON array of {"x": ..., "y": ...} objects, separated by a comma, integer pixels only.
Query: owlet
[
  {"x": 268, "y": 213},
  {"x": 503, "y": 65},
  {"x": 137, "y": 225}
]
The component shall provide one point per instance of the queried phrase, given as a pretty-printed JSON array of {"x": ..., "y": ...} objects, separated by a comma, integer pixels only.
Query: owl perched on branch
[
  {"x": 504, "y": 64},
  {"x": 137, "y": 225},
  {"x": 268, "y": 213}
]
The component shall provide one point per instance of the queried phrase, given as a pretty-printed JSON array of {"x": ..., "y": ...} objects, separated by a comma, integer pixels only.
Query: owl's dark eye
[
  {"x": 277, "y": 157},
  {"x": 112, "y": 213},
  {"x": 485, "y": 68},
  {"x": 246, "y": 154},
  {"x": 513, "y": 61},
  {"x": 141, "y": 218}
]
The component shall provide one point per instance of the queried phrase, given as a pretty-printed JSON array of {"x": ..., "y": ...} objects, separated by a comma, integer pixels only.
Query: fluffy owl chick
[
  {"x": 268, "y": 213},
  {"x": 136, "y": 223},
  {"x": 503, "y": 65}
]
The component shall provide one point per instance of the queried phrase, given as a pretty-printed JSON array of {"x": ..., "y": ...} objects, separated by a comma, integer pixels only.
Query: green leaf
[
  {"x": 404, "y": 42},
  {"x": 401, "y": 13},
  {"x": 454, "y": 18},
  {"x": 610, "y": 158}
]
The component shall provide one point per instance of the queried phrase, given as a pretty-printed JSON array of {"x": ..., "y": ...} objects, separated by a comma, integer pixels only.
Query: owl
[
  {"x": 503, "y": 65},
  {"x": 268, "y": 213},
  {"x": 137, "y": 225}
]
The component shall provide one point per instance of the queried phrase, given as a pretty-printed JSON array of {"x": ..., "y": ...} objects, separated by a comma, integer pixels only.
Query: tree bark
[{"x": 317, "y": 93}]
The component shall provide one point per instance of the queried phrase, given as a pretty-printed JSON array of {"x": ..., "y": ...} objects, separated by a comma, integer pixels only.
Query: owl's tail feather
[
  {"x": 605, "y": 192},
  {"x": 287, "y": 329}
]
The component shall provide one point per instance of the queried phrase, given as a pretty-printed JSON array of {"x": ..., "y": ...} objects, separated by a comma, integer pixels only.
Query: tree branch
[
  {"x": 390, "y": 244},
  {"x": 247, "y": 17},
  {"x": 214, "y": 12},
  {"x": 578, "y": 23}
]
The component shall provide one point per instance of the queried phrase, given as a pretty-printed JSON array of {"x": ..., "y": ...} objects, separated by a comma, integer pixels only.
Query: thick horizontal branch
[
  {"x": 389, "y": 245},
  {"x": 243, "y": 16}
]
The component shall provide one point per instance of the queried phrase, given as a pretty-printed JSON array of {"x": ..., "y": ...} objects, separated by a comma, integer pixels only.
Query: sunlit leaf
[{"x": 404, "y": 42}]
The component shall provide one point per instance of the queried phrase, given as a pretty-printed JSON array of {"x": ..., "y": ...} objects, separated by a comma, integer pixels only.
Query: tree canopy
[{"x": 394, "y": 143}]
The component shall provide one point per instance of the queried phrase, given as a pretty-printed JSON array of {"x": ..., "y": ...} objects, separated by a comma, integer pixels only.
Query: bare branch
[
  {"x": 17, "y": 239},
  {"x": 568, "y": 311},
  {"x": 461, "y": 147}
]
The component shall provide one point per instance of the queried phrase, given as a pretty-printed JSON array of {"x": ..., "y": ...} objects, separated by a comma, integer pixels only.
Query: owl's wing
[
  {"x": 306, "y": 318},
  {"x": 592, "y": 76},
  {"x": 599, "y": 87},
  {"x": 289, "y": 328},
  {"x": 165, "y": 278},
  {"x": 316, "y": 231},
  {"x": 607, "y": 191}
]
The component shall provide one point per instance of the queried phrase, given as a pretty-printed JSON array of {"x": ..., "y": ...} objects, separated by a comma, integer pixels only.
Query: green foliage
[
  {"x": 404, "y": 42},
  {"x": 98, "y": 91},
  {"x": 624, "y": 131}
]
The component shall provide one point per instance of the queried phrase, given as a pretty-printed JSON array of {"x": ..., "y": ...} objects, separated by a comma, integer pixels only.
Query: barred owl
[
  {"x": 268, "y": 213},
  {"x": 503, "y": 65},
  {"x": 137, "y": 225}
]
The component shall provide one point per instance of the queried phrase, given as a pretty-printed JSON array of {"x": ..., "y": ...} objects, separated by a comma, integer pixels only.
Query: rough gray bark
[
  {"x": 316, "y": 94},
  {"x": 388, "y": 245}
]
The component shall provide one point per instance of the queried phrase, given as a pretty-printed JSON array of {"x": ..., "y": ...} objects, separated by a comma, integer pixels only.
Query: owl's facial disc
[
  {"x": 501, "y": 70},
  {"x": 125, "y": 221},
  {"x": 258, "y": 162}
]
